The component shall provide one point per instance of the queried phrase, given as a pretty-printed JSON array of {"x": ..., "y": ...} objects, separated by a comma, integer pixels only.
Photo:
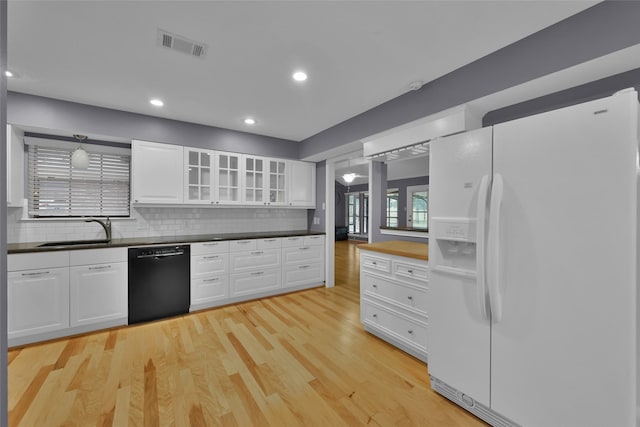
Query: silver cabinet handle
[
  {"x": 100, "y": 267},
  {"x": 304, "y": 266},
  {"x": 410, "y": 271},
  {"x": 375, "y": 286},
  {"x": 211, "y": 244},
  {"x": 36, "y": 273},
  {"x": 211, "y": 257},
  {"x": 257, "y": 273},
  {"x": 410, "y": 297},
  {"x": 304, "y": 248},
  {"x": 374, "y": 315},
  {"x": 215, "y": 279},
  {"x": 410, "y": 331},
  {"x": 257, "y": 253},
  {"x": 269, "y": 240},
  {"x": 243, "y": 242},
  {"x": 293, "y": 238}
]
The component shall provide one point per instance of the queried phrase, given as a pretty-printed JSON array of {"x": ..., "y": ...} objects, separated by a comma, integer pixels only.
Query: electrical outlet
[{"x": 316, "y": 220}]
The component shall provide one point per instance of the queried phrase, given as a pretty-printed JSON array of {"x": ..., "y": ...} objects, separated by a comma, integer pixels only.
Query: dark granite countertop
[{"x": 15, "y": 248}]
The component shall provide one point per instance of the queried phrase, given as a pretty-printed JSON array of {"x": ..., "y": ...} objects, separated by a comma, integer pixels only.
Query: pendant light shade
[
  {"x": 80, "y": 158},
  {"x": 349, "y": 177}
]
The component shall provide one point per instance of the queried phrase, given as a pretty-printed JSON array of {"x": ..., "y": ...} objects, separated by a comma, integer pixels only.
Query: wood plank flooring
[{"x": 298, "y": 359}]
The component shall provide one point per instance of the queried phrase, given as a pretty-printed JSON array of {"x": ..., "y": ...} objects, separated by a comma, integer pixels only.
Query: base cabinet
[
  {"x": 37, "y": 301},
  {"x": 254, "y": 282},
  {"x": 393, "y": 300},
  {"x": 97, "y": 293}
]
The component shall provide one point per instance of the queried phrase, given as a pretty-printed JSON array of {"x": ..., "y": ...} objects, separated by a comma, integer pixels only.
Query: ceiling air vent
[{"x": 181, "y": 44}]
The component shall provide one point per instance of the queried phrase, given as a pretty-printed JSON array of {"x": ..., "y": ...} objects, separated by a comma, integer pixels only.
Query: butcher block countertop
[{"x": 399, "y": 248}]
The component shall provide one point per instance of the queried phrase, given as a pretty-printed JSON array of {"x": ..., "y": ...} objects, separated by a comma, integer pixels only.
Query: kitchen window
[
  {"x": 57, "y": 189},
  {"x": 392, "y": 207}
]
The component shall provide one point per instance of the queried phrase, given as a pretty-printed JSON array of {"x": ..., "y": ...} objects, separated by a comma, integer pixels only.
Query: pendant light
[
  {"x": 348, "y": 177},
  {"x": 80, "y": 158}
]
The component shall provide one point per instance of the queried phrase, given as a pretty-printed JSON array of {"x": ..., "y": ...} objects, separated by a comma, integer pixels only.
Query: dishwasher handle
[{"x": 161, "y": 255}]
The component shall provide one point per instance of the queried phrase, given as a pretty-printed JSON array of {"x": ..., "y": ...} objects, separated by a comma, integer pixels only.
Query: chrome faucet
[{"x": 105, "y": 224}]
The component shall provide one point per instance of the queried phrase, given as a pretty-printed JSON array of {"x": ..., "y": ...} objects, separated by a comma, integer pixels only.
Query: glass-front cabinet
[
  {"x": 277, "y": 182},
  {"x": 254, "y": 169},
  {"x": 227, "y": 183},
  {"x": 199, "y": 173}
]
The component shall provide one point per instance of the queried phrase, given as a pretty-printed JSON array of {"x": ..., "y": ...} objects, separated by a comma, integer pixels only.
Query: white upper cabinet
[
  {"x": 15, "y": 166},
  {"x": 253, "y": 180},
  {"x": 227, "y": 179},
  {"x": 277, "y": 182},
  {"x": 156, "y": 173},
  {"x": 302, "y": 184},
  {"x": 198, "y": 175}
]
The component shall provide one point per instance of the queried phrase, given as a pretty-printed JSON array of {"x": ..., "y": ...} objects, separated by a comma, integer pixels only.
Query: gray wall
[
  {"x": 604, "y": 28},
  {"x": 318, "y": 212},
  {"x": 341, "y": 205},
  {"x": 48, "y": 113}
]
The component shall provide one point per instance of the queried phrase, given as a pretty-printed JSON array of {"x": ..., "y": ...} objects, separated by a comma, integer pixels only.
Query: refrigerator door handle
[
  {"x": 493, "y": 249},
  {"x": 483, "y": 195}
]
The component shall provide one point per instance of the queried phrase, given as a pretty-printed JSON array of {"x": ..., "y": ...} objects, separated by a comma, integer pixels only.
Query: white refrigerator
[{"x": 533, "y": 258}]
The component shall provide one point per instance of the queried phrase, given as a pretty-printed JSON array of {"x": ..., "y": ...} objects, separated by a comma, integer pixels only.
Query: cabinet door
[
  {"x": 157, "y": 173},
  {"x": 255, "y": 282},
  {"x": 15, "y": 167},
  {"x": 37, "y": 301},
  {"x": 277, "y": 182},
  {"x": 302, "y": 184},
  {"x": 98, "y": 293},
  {"x": 210, "y": 288},
  {"x": 228, "y": 169},
  {"x": 198, "y": 168},
  {"x": 254, "y": 181}
]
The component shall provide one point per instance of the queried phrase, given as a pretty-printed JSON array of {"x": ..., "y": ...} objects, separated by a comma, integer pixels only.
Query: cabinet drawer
[
  {"x": 293, "y": 241},
  {"x": 303, "y": 274},
  {"x": 97, "y": 293},
  {"x": 35, "y": 260},
  {"x": 275, "y": 243},
  {"x": 242, "y": 245},
  {"x": 209, "y": 248},
  {"x": 253, "y": 260},
  {"x": 411, "y": 297},
  {"x": 98, "y": 256},
  {"x": 411, "y": 272},
  {"x": 402, "y": 327},
  {"x": 209, "y": 264},
  {"x": 254, "y": 282},
  {"x": 373, "y": 263},
  {"x": 302, "y": 254},
  {"x": 209, "y": 288},
  {"x": 313, "y": 240}
]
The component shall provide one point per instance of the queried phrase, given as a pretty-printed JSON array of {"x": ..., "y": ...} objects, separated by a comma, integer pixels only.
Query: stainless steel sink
[{"x": 74, "y": 243}]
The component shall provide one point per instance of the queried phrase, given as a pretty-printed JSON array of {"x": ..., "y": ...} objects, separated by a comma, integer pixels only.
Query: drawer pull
[
  {"x": 244, "y": 242},
  {"x": 410, "y": 271},
  {"x": 269, "y": 240},
  {"x": 410, "y": 298},
  {"x": 293, "y": 238},
  {"x": 215, "y": 279},
  {"x": 374, "y": 263},
  {"x": 375, "y": 286},
  {"x": 374, "y": 315},
  {"x": 37, "y": 273},
  {"x": 304, "y": 248},
  {"x": 258, "y": 273},
  {"x": 100, "y": 267},
  {"x": 211, "y": 257},
  {"x": 410, "y": 331},
  {"x": 210, "y": 244},
  {"x": 304, "y": 266},
  {"x": 257, "y": 253}
]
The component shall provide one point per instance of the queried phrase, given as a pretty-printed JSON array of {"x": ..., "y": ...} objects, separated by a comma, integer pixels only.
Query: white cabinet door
[
  {"x": 302, "y": 184},
  {"x": 208, "y": 289},
  {"x": 15, "y": 167},
  {"x": 198, "y": 175},
  {"x": 253, "y": 181},
  {"x": 254, "y": 282},
  {"x": 98, "y": 293},
  {"x": 156, "y": 173},
  {"x": 37, "y": 301},
  {"x": 276, "y": 183},
  {"x": 228, "y": 167}
]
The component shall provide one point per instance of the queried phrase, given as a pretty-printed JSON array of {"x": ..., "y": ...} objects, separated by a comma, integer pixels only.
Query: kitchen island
[{"x": 393, "y": 293}]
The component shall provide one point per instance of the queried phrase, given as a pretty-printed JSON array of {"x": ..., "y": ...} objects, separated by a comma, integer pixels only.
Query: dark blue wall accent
[
  {"x": 48, "y": 113},
  {"x": 575, "y": 95},
  {"x": 604, "y": 28}
]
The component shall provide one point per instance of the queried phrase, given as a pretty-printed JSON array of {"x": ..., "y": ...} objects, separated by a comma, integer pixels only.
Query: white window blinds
[{"x": 56, "y": 189}]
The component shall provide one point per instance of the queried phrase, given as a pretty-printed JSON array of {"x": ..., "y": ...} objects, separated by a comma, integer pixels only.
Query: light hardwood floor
[{"x": 298, "y": 359}]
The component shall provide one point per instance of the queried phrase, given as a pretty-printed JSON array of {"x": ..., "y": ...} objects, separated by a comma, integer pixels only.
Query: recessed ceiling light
[
  {"x": 299, "y": 76},
  {"x": 249, "y": 121},
  {"x": 156, "y": 102},
  {"x": 8, "y": 73}
]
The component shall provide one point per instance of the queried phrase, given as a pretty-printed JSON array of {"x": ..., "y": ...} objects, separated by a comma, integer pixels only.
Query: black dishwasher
[{"x": 159, "y": 282}]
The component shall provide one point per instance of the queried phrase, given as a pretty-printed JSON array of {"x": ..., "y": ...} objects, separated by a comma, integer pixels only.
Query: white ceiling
[{"x": 358, "y": 54}]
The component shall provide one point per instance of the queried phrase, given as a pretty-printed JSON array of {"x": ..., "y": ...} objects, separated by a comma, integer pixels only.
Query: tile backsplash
[{"x": 158, "y": 221}]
